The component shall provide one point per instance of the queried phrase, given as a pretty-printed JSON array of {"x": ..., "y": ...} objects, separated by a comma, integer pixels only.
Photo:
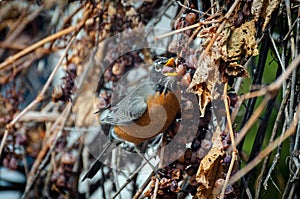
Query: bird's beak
[{"x": 170, "y": 63}]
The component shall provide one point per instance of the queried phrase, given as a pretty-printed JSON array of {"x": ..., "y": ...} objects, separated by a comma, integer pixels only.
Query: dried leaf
[
  {"x": 271, "y": 6},
  {"x": 264, "y": 9},
  {"x": 205, "y": 78},
  {"x": 209, "y": 167},
  {"x": 236, "y": 70},
  {"x": 242, "y": 42},
  {"x": 256, "y": 8},
  {"x": 204, "y": 96},
  {"x": 224, "y": 36}
]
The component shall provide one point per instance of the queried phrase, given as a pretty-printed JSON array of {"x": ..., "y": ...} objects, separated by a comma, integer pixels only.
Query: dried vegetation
[{"x": 221, "y": 49}]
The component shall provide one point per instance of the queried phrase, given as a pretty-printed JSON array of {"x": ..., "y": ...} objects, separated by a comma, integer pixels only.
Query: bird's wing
[{"x": 130, "y": 107}]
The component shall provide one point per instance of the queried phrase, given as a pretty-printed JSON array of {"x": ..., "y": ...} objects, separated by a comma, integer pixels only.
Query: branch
[{"x": 290, "y": 131}]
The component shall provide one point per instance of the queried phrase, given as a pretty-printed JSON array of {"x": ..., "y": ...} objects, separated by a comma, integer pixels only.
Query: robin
[{"x": 145, "y": 112}]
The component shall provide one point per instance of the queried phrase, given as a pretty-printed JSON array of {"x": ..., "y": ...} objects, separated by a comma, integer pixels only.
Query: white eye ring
[
  {"x": 159, "y": 63},
  {"x": 157, "y": 67}
]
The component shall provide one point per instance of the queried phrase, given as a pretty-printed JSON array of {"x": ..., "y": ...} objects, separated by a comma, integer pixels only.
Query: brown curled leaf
[
  {"x": 203, "y": 95},
  {"x": 242, "y": 42},
  {"x": 209, "y": 168},
  {"x": 224, "y": 37},
  {"x": 264, "y": 9},
  {"x": 236, "y": 70},
  {"x": 207, "y": 75}
]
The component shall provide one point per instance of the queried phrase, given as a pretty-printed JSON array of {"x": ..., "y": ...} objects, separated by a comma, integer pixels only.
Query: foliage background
[{"x": 41, "y": 155}]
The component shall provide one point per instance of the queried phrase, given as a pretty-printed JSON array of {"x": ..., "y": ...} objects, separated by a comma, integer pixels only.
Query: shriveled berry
[
  {"x": 201, "y": 153},
  {"x": 181, "y": 159},
  {"x": 186, "y": 80},
  {"x": 174, "y": 46},
  {"x": 191, "y": 171},
  {"x": 191, "y": 18},
  {"x": 179, "y": 23},
  {"x": 61, "y": 180},
  {"x": 13, "y": 163},
  {"x": 191, "y": 61},
  {"x": 206, "y": 144},
  {"x": 188, "y": 155},
  {"x": 57, "y": 93},
  {"x": 193, "y": 181},
  {"x": 68, "y": 158},
  {"x": 227, "y": 160},
  {"x": 180, "y": 166},
  {"x": 174, "y": 186},
  {"x": 21, "y": 139},
  {"x": 194, "y": 159},
  {"x": 189, "y": 106},
  {"x": 181, "y": 70}
]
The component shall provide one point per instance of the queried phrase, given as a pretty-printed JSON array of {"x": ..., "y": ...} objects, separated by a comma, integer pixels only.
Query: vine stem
[
  {"x": 275, "y": 86},
  {"x": 290, "y": 131},
  {"x": 234, "y": 152},
  {"x": 38, "y": 99},
  {"x": 38, "y": 44},
  {"x": 45, "y": 154},
  {"x": 129, "y": 179}
]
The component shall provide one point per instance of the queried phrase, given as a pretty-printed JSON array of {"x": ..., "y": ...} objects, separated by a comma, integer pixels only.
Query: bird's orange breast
[{"x": 161, "y": 111}]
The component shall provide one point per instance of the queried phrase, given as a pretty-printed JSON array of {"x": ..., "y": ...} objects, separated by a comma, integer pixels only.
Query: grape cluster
[
  {"x": 167, "y": 185},
  {"x": 244, "y": 12},
  {"x": 63, "y": 93},
  {"x": 62, "y": 178},
  {"x": 14, "y": 150},
  {"x": 186, "y": 20}
]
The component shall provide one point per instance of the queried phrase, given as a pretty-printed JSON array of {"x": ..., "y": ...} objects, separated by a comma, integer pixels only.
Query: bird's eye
[
  {"x": 157, "y": 67},
  {"x": 159, "y": 64}
]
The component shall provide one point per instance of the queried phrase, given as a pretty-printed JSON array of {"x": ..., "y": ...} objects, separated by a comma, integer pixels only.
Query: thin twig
[
  {"x": 37, "y": 100},
  {"x": 19, "y": 27},
  {"x": 114, "y": 161},
  {"x": 38, "y": 44},
  {"x": 221, "y": 27},
  {"x": 274, "y": 131},
  {"x": 161, "y": 163},
  {"x": 188, "y": 8},
  {"x": 9, "y": 45},
  {"x": 276, "y": 51},
  {"x": 252, "y": 119},
  {"x": 193, "y": 36},
  {"x": 162, "y": 13},
  {"x": 262, "y": 129},
  {"x": 290, "y": 31},
  {"x": 39, "y": 116},
  {"x": 186, "y": 28},
  {"x": 290, "y": 131},
  {"x": 293, "y": 48},
  {"x": 275, "y": 86},
  {"x": 234, "y": 152},
  {"x": 296, "y": 146},
  {"x": 257, "y": 80},
  {"x": 129, "y": 179},
  {"x": 143, "y": 187},
  {"x": 57, "y": 127},
  {"x": 191, "y": 26}
]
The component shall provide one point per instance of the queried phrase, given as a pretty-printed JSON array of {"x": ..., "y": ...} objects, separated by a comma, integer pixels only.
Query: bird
[{"x": 146, "y": 111}]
